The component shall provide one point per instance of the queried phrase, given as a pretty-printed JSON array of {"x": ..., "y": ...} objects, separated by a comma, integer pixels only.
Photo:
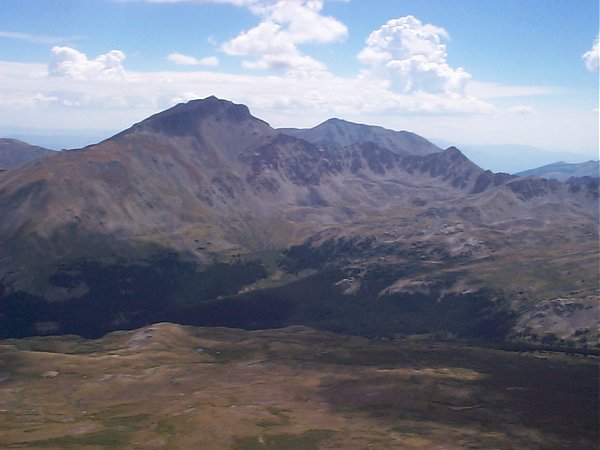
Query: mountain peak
[
  {"x": 454, "y": 151},
  {"x": 337, "y": 133},
  {"x": 337, "y": 121},
  {"x": 184, "y": 118},
  {"x": 454, "y": 156}
]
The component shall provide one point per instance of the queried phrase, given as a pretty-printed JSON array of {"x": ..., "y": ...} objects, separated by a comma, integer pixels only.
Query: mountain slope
[
  {"x": 13, "y": 153},
  {"x": 335, "y": 133},
  {"x": 205, "y": 214}
]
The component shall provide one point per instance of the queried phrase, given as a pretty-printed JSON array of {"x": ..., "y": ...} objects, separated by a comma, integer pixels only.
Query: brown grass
[{"x": 169, "y": 386}]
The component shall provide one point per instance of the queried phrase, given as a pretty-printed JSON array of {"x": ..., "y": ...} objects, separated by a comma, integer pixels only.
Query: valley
[{"x": 173, "y": 386}]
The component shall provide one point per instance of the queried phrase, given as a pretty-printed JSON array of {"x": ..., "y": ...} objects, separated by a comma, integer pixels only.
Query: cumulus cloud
[
  {"x": 592, "y": 56},
  {"x": 29, "y": 95},
  {"x": 69, "y": 63},
  {"x": 412, "y": 58},
  {"x": 185, "y": 60},
  {"x": 407, "y": 73},
  {"x": 285, "y": 25}
]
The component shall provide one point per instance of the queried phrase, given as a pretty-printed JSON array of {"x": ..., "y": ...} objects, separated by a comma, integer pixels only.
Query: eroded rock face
[{"x": 573, "y": 320}]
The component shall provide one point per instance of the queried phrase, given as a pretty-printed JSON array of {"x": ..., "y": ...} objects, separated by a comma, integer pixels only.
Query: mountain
[
  {"x": 13, "y": 153},
  {"x": 335, "y": 133},
  {"x": 562, "y": 171},
  {"x": 204, "y": 214}
]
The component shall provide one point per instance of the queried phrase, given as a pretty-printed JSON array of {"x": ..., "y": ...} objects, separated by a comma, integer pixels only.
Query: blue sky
[{"x": 473, "y": 72}]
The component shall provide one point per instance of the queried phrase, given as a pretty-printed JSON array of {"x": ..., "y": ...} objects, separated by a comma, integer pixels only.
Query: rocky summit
[{"x": 205, "y": 215}]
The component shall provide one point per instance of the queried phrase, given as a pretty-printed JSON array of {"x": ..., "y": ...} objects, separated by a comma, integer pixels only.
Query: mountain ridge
[
  {"x": 224, "y": 206},
  {"x": 334, "y": 133},
  {"x": 562, "y": 171}
]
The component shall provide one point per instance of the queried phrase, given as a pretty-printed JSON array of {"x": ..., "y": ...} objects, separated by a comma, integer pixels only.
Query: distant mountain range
[
  {"x": 516, "y": 158},
  {"x": 562, "y": 171},
  {"x": 205, "y": 214}
]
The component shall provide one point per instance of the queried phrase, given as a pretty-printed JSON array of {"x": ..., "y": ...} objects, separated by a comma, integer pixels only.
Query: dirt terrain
[{"x": 170, "y": 386}]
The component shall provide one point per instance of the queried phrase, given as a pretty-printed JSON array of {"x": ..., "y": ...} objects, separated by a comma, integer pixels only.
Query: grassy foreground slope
[{"x": 171, "y": 386}]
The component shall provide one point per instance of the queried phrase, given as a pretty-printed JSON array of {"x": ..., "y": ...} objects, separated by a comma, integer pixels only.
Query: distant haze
[
  {"x": 59, "y": 139},
  {"x": 516, "y": 158}
]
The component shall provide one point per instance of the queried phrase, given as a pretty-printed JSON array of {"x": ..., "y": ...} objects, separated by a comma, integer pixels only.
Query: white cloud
[
  {"x": 303, "y": 20},
  {"x": 411, "y": 57},
  {"x": 69, "y": 63},
  {"x": 407, "y": 75},
  {"x": 285, "y": 25},
  {"x": 408, "y": 68},
  {"x": 76, "y": 92},
  {"x": 209, "y": 61},
  {"x": 184, "y": 60},
  {"x": 521, "y": 109},
  {"x": 592, "y": 56},
  {"x": 28, "y": 95}
]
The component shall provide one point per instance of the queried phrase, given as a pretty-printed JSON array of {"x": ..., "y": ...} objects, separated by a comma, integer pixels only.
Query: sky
[{"x": 463, "y": 72}]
